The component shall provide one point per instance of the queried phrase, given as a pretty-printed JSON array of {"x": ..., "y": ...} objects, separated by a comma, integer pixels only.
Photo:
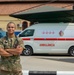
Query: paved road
[{"x": 48, "y": 63}]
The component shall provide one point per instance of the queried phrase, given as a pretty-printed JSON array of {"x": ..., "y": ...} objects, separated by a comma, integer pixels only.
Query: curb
[{"x": 26, "y": 72}]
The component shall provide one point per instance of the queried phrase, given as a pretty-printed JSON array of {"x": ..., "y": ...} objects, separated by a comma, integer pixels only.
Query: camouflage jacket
[{"x": 11, "y": 63}]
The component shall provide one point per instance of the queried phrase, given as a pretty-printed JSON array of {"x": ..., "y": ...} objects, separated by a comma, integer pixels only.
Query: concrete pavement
[{"x": 47, "y": 63}]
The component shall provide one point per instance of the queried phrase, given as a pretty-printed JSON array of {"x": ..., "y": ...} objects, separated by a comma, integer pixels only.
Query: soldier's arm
[
  {"x": 4, "y": 53},
  {"x": 17, "y": 51}
]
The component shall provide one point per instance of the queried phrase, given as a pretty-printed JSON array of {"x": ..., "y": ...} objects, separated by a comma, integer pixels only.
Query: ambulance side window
[{"x": 27, "y": 33}]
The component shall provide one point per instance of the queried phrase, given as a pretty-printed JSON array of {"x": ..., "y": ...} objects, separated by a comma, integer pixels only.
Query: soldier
[{"x": 11, "y": 47}]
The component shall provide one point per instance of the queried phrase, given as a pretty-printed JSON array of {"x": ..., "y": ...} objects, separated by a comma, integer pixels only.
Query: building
[{"x": 12, "y": 6}]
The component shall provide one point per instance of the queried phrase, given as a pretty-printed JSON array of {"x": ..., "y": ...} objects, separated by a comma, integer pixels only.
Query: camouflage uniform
[{"x": 10, "y": 65}]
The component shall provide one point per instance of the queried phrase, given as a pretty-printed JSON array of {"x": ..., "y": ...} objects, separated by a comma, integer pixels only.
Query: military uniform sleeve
[
  {"x": 1, "y": 44},
  {"x": 21, "y": 43}
]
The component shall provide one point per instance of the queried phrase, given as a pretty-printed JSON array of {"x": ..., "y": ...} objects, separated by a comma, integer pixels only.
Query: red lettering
[{"x": 47, "y": 44}]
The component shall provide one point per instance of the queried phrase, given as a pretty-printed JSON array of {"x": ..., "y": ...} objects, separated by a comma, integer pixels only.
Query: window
[{"x": 27, "y": 33}]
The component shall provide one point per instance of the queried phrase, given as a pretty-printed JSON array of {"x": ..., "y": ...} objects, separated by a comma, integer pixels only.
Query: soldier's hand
[
  {"x": 4, "y": 53},
  {"x": 7, "y": 54},
  {"x": 19, "y": 49}
]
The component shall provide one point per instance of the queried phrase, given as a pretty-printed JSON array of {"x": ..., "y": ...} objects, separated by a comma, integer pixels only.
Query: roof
[
  {"x": 22, "y": 0},
  {"x": 9, "y": 7},
  {"x": 6, "y": 9},
  {"x": 46, "y": 14},
  {"x": 40, "y": 9},
  {"x": 34, "y": 0}
]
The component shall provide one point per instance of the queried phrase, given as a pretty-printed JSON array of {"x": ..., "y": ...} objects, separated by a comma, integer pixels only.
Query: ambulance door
[
  {"x": 27, "y": 37},
  {"x": 42, "y": 41}
]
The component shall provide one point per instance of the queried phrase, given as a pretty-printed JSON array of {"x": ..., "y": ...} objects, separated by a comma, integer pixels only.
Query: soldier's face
[{"x": 11, "y": 28}]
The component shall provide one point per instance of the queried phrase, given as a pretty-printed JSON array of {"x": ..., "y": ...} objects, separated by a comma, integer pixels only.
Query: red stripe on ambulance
[
  {"x": 25, "y": 38},
  {"x": 39, "y": 38},
  {"x": 61, "y": 39},
  {"x": 51, "y": 38},
  {"x": 56, "y": 39}
]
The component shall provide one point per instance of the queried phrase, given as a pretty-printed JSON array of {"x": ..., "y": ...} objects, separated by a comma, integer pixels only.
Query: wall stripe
[
  {"x": 65, "y": 73},
  {"x": 27, "y": 72},
  {"x": 42, "y": 73}
]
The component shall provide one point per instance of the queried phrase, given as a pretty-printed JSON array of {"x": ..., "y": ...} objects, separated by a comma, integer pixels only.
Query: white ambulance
[{"x": 49, "y": 38}]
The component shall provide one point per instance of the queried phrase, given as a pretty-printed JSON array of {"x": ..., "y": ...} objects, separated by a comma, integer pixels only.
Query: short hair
[{"x": 11, "y": 23}]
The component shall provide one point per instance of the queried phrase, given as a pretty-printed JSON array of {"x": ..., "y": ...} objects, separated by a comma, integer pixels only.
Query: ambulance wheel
[
  {"x": 28, "y": 51},
  {"x": 71, "y": 51}
]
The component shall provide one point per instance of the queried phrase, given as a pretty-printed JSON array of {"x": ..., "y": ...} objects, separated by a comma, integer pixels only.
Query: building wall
[{"x": 5, "y": 19}]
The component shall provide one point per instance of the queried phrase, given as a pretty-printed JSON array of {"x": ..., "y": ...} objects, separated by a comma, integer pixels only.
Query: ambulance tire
[
  {"x": 71, "y": 51},
  {"x": 28, "y": 51}
]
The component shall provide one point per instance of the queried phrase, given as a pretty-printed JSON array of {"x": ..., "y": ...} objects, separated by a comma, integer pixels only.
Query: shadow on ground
[{"x": 55, "y": 57}]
